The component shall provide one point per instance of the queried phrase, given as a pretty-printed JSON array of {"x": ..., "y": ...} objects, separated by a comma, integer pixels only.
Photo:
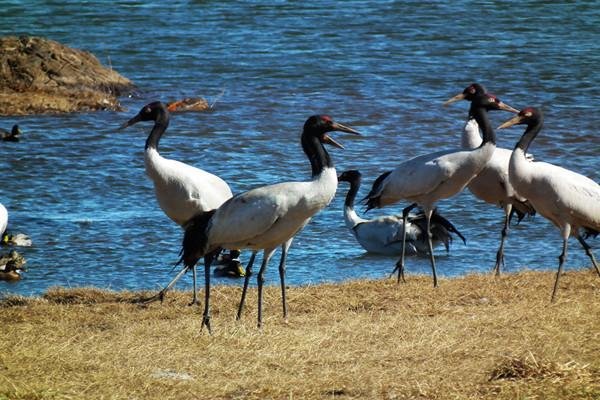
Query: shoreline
[{"x": 473, "y": 337}]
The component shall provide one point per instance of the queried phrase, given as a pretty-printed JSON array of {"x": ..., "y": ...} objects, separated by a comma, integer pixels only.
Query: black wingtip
[
  {"x": 372, "y": 199},
  {"x": 436, "y": 217},
  {"x": 195, "y": 239}
]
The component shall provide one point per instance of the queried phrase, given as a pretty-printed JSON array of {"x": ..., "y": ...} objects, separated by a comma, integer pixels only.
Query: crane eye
[{"x": 528, "y": 114}]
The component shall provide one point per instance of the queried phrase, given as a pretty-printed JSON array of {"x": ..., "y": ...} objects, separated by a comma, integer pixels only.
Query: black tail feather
[
  {"x": 195, "y": 239},
  {"x": 438, "y": 219},
  {"x": 371, "y": 200},
  {"x": 589, "y": 232},
  {"x": 521, "y": 209}
]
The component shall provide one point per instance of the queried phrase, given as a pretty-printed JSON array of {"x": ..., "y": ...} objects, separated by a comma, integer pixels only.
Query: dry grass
[{"x": 472, "y": 338}]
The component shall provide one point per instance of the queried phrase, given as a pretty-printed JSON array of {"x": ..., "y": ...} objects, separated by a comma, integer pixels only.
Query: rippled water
[{"x": 77, "y": 186}]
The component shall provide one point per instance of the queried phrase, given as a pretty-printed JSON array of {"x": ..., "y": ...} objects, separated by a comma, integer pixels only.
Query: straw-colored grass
[{"x": 472, "y": 338}]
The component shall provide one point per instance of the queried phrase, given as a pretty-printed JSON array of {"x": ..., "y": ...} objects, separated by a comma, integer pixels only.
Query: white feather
[
  {"x": 182, "y": 190},
  {"x": 3, "y": 219}
]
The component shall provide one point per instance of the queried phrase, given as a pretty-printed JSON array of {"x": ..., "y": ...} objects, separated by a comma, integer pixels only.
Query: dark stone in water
[{"x": 39, "y": 75}]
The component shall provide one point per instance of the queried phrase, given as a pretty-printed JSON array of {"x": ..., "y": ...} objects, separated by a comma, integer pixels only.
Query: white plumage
[
  {"x": 3, "y": 219},
  {"x": 383, "y": 235},
  {"x": 492, "y": 185},
  {"x": 269, "y": 216},
  {"x": 182, "y": 190},
  {"x": 569, "y": 200},
  {"x": 425, "y": 179}
]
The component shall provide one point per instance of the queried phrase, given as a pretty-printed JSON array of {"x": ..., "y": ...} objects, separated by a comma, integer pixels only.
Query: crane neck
[
  {"x": 316, "y": 153},
  {"x": 530, "y": 133},
  {"x": 160, "y": 126},
  {"x": 480, "y": 115},
  {"x": 351, "y": 195}
]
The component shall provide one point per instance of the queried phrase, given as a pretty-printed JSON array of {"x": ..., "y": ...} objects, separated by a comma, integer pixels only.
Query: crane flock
[{"x": 267, "y": 217}]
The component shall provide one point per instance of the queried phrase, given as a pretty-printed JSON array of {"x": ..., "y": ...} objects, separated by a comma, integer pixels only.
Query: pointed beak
[
  {"x": 506, "y": 107},
  {"x": 329, "y": 140},
  {"x": 458, "y": 97},
  {"x": 513, "y": 121},
  {"x": 132, "y": 121},
  {"x": 341, "y": 128}
]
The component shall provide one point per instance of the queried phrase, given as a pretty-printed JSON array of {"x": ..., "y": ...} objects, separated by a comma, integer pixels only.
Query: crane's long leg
[
  {"x": 430, "y": 243},
  {"x": 208, "y": 259},
  {"x": 588, "y": 251},
  {"x": 260, "y": 280},
  {"x": 161, "y": 295},
  {"x": 284, "y": 251},
  {"x": 561, "y": 260},
  {"x": 195, "y": 293},
  {"x": 400, "y": 263},
  {"x": 500, "y": 253},
  {"x": 246, "y": 281}
]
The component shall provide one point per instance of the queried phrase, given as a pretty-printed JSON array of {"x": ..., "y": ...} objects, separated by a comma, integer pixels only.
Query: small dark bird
[{"x": 12, "y": 136}]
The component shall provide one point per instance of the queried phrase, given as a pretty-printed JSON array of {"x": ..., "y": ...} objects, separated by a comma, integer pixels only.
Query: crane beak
[
  {"x": 458, "y": 97},
  {"x": 132, "y": 121},
  {"x": 329, "y": 140},
  {"x": 506, "y": 107},
  {"x": 513, "y": 121},
  {"x": 341, "y": 128}
]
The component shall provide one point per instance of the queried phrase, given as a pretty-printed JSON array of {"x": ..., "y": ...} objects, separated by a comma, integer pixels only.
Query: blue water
[{"x": 77, "y": 186}]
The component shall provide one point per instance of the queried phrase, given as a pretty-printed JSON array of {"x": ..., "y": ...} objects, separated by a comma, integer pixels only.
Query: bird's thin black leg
[
  {"x": 284, "y": 250},
  {"x": 195, "y": 287},
  {"x": 245, "y": 288},
  {"x": 500, "y": 253},
  {"x": 430, "y": 243},
  {"x": 260, "y": 280},
  {"x": 400, "y": 263},
  {"x": 561, "y": 260},
  {"x": 206, "y": 315},
  {"x": 588, "y": 251},
  {"x": 161, "y": 295}
]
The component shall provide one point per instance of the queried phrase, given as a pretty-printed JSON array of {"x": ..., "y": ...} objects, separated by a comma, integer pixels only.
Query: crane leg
[
  {"x": 195, "y": 287},
  {"x": 561, "y": 261},
  {"x": 588, "y": 251},
  {"x": 245, "y": 288},
  {"x": 208, "y": 259},
  {"x": 500, "y": 253},
  {"x": 260, "y": 280},
  {"x": 161, "y": 295},
  {"x": 400, "y": 263},
  {"x": 430, "y": 243},
  {"x": 284, "y": 251}
]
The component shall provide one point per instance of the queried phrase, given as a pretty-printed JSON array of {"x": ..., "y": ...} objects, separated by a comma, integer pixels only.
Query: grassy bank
[{"x": 472, "y": 338}]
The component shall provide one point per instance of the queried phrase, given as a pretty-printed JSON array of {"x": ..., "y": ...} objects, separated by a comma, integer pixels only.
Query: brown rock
[
  {"x": 39, "y": 75},
  {"x": 188, "y": 104}
]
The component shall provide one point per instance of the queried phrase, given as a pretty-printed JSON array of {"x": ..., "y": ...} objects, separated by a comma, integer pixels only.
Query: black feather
[
  {"x": 195, "y": 239},
  {"x": 370, "y": 199}
]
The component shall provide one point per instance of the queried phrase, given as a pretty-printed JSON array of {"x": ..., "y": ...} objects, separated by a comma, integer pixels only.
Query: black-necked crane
[
  {"x": 383, "y": 235},
  {"x": 426, "y": 179},
  {"x": 182, "y": 190},
  {"x": 569, "y": 200},
  {"x": 491, "y": 184},
  {"x": 269, "y": 216}
]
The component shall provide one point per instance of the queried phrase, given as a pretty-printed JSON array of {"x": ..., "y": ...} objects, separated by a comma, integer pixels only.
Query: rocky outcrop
[{"x": 39, "y": 75}]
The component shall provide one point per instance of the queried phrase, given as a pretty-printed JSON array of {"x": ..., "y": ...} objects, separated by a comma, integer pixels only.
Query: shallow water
[{"x": 77, "y": 186}]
